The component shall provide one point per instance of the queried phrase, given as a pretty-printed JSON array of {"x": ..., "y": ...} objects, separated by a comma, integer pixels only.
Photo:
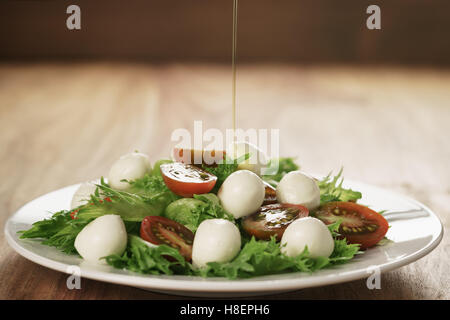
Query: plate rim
[{"x": 206, "y": 285}]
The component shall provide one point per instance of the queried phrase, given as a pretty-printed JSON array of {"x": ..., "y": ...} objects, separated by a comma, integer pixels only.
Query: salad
[{"x": 220, "y": 219}]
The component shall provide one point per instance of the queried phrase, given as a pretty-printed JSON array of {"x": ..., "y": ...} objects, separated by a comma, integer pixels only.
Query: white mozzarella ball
[
  {"x": 83, "y": 194},
  {"x": 129, "y": 167},
  {"x": 242, "y": 193},
  {"x": 255, "y": 163},
  {"x": 307, "y": 232},
  {"x": 102, "y": 237},
  {"x": 298, "y": 188},
  {"x": 216, "y": 240}
]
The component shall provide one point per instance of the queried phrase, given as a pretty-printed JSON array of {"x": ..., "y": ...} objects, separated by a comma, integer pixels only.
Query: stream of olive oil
[{"x": 233, "y": 65}]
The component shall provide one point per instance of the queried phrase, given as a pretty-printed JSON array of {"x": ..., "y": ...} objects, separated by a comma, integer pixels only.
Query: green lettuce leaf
[
  {"x": 59, "y": 231},
  {"x": 285, "y": 165},
  {"x": 259, "y": 257},
  {"x": 213, "y": 209},
  {"x": 186, "y": 211},
  {"x": 190, "y": 212},
  {"x": 331, "y": 190},
  {"x": 149, "y": 185},
  {"x": 156, "y": 172},
  {"x": 224, "y": 169},
  {"x": 130, "y": 206},
  {"x": 142, "y": 258},
  {"x": 48, "y": 227}
]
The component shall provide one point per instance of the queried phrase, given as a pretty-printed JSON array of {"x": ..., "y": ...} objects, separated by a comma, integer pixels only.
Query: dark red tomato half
[
  {"x": 271, "y": 194},
  {"x": 186, "y": 180},
  {"x": 359, "y": 224},
  {"x": 273, "y": 219},
  {"x": 159, "y": 230}
]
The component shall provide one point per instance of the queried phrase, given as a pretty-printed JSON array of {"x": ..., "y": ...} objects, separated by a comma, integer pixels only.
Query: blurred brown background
[
  {"x": 413, "y": 31},
  {"x": 374, "y": 101}
]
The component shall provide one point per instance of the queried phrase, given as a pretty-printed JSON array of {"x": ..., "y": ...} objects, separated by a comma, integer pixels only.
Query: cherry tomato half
[
  {"x": 198, "y": 157},
  {"x": 159, "y": 230},
  {"x": 359, "y": 224},
  {"x": 186, "y": 180},
  {"x": 273, "y": 219}
]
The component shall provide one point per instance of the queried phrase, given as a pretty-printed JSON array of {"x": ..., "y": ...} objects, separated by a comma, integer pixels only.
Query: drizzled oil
[{"x": 233, "y": 66}]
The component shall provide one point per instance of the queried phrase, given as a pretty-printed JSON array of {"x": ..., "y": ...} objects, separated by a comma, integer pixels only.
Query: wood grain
[{"x": 65, "y": 123}]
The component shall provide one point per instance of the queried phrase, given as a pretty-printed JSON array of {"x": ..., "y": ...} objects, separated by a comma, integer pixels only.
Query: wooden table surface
[{"x": 62, "y": 124}]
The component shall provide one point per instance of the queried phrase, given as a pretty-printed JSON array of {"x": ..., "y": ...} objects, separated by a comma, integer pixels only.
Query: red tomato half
[
  {"x": 159, "y": 230},
  {"x": 273, "y": 219},
  {"x": 186, "y": 180},
  {"x": 359, "y": 224}
]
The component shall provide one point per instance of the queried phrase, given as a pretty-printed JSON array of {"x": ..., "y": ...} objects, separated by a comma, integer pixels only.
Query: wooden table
[{"x": 65, "y": 123}]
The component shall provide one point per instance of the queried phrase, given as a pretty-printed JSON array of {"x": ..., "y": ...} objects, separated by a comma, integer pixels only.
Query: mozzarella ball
[
  {"x": 298, "y": 188},
  {"x": 83, "y": 194},
  {"x": 129, "y": 167},
  {"x": 307, "y": 232},
  {"x": 242, "y": 193},
  {"x": 216, "y": 240},
  {"x": 255, "y": 163},
  {"x": 102, "y": 237}
]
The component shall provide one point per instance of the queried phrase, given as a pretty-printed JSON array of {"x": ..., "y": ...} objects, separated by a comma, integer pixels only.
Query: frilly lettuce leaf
[
  {"x": 61, "y": 230},
  {"x": 192, "y": 211},
  {"x": 285, "y": 165},
  {"x": 142, "y": 258},
  {"x": 260, "y": 257},
  {"x": 331, "y": 189},
  {"x": 257, "y": 258}
]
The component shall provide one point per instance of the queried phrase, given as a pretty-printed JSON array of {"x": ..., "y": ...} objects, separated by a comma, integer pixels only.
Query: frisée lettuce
[
  {"x": 190, "y": 212},
  {"x": 256, "y": 258},
  {"x": 331, "y": 189}
]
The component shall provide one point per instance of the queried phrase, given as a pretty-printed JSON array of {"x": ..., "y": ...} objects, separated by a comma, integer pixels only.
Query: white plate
[{"x": 415, "y": 230}]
